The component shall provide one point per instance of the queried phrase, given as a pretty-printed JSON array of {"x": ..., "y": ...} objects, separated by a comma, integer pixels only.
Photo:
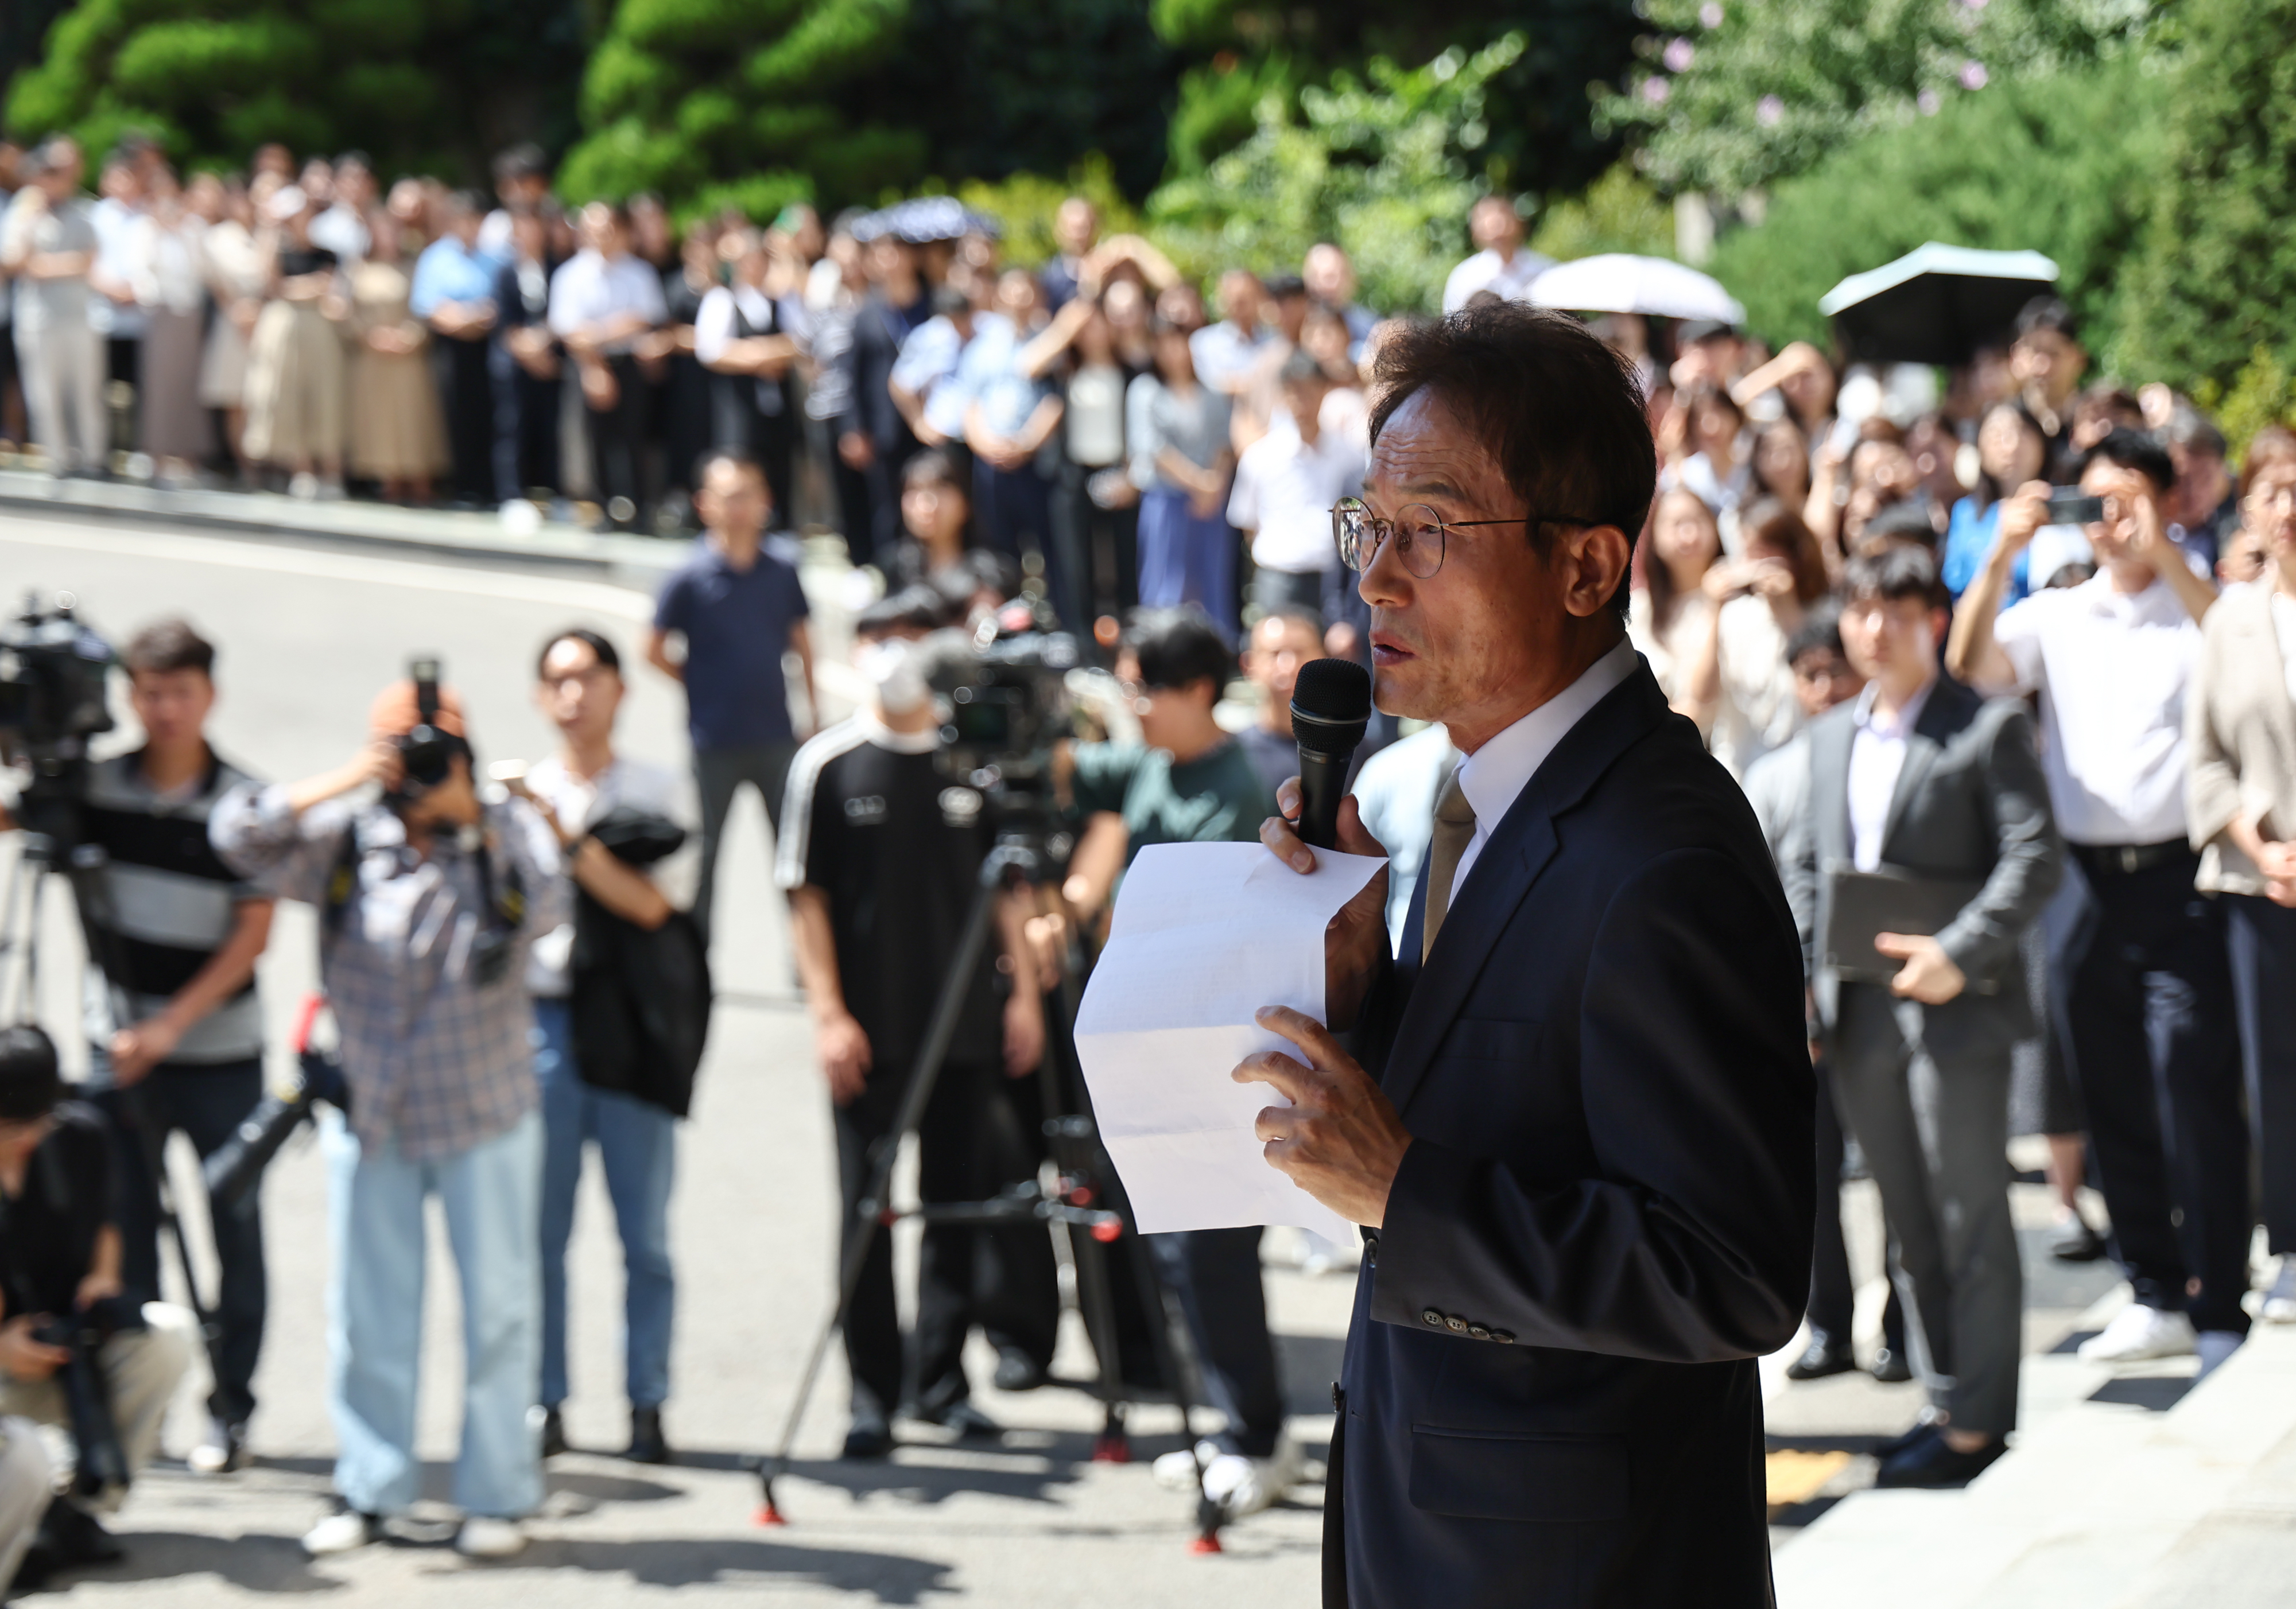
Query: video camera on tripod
[{"x": 54, "y": 675}]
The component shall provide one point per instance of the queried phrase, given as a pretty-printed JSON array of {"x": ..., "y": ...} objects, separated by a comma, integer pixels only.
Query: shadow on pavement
[
  {"x": 251, "y": 1563},
  {"x": 2156, "y": 1392},
  {"x": 887, "y": 1578}
]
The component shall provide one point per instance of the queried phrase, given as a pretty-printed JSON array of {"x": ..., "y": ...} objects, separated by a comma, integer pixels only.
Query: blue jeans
[
  {"x": 637, "y": 1143},
  {"x": 491, "y": 1193},
  {"x": 1186, "y": 559}
]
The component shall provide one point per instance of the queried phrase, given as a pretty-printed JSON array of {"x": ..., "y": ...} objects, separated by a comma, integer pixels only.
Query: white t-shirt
[
  {"x": 2112, "y": 669},
  {"x": 588, "y": 290},
  {"x": 1284, "y": 490},
  {"x": 583, "y": 802},
  {"x": 1484, "y": 271}
]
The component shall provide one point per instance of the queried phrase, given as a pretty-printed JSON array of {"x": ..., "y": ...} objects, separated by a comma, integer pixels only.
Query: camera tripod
[
  {"x": 20, "y": 938},
  {"x": 1084, "y": 1197}
]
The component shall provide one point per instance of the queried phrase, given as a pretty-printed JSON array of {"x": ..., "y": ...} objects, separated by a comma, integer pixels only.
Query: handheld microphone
[{"x": 1331, "y": 707}]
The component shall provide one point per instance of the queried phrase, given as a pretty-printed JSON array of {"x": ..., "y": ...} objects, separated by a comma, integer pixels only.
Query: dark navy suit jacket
[{"x": 1604, "y": 1215}]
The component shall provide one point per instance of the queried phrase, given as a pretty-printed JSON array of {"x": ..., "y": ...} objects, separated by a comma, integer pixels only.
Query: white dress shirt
[
  {"x": 1496, "y": 774},
  {"x": 2112, "y": 669},
  {"x": 588, "y": 290},
  {"x": 1877, "y": 756},
  {"x": 1283, "y": 491}
]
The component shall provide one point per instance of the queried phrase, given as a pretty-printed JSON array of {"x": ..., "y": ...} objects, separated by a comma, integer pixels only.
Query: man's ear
[{"x": 1596, "y": 560}]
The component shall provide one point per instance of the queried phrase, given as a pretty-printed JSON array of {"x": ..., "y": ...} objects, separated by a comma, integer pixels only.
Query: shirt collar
[
  {"x": 901, "y": 742},
  {"x": 1908, "y": 714},
  {"x": 1496, "y": 774}
]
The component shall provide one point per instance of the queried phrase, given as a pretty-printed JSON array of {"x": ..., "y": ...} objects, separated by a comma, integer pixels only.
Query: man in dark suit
[
  {"x": 1574, "y": 1116},
  {"x": 1921, "y": 775}
]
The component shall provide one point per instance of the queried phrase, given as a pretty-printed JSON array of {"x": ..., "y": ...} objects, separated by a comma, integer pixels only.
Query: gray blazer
[
  {"x": 1971, "y": 802},
  {"x": 2240, "y": 729}
]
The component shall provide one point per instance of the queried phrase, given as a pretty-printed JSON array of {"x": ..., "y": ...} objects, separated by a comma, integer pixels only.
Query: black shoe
[
  {"x": 647, "y": 1443},
  {"x": 1016, "y": 1370},
  {"x": 969, "y": 1422},
  {"x": 869, "y": 1437},
  {"x": 553, "y": 1433},
  {"x": 1825, "y": 1356},
  {"x": 2073, "y": 1241},
  {"x": 1924, "y": 1431},
  {"x": 69, "y": 1536},
  {"x": 1890, "y": 1368},
  {"x": 1935, "y": 1463}
]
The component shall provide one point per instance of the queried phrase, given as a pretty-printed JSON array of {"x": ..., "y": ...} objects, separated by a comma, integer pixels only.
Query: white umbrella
[{"x": 1618, "y": 282}]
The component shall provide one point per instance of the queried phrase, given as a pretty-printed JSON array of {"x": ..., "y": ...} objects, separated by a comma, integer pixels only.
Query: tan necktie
[{"x": 1455, "y": 828}]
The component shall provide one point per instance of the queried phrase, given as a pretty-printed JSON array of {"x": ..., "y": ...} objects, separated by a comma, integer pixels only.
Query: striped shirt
[
  {"x": 437, "y": 1062},
  {"x": 168, "y": 904}
]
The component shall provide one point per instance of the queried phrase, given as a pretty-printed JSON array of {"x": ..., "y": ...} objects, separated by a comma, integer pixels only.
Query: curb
[{"x": 635, "y": 562}]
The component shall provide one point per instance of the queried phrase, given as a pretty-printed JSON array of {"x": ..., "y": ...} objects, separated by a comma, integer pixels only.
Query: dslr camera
[
  {"x": 54, "y": 675},
  {"x": 101, "y": 1470},
  {"x": 426, "y": 751}
]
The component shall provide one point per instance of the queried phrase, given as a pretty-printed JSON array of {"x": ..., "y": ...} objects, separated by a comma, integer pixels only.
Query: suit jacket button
[
  {"x": 1456, "y": 1324},
  {"x": 1505, "y": 1337},
  {"x": 1430, "y": 1316},
  {"x": 1478, "y": 1332}
]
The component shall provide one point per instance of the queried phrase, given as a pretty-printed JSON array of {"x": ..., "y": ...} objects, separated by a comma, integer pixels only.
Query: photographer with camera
[
  {"x": 173, "y": 1021},
  {"x": 881, "y": 853},
  {"x": 430, "y": 904},
  {"x": 75, "y": 1351},
  {"x": 1188, "y": 783},
  {"x": 578, "y": 684}
]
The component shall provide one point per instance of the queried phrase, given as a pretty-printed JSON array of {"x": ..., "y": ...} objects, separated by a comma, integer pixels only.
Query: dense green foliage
[
  {"x": 737, "y": 101},
  {"x": 2058, "y": 162},
  {"x": 1540, "y": 138},
  {"x": 1734, "y": 94},
  {"x": 1386, "y": 166},
  {"x": 2216, "y": 280},
  {"x": 433, "y": 83}
]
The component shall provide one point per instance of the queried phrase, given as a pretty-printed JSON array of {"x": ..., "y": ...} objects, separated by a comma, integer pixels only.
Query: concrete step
[{"x": 2117, "y": 1475}]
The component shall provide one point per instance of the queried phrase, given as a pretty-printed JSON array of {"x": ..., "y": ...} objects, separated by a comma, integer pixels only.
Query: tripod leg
[{"x": 869, "y": 1212}]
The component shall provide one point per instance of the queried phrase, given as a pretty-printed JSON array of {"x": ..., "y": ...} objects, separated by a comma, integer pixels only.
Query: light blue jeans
[
  {"x": 637, "y": 1144},
  {"x": 492, "y": 1196}
]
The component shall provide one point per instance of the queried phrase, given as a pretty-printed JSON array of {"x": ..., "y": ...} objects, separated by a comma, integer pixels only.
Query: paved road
[{"x": 306, "y": 637}]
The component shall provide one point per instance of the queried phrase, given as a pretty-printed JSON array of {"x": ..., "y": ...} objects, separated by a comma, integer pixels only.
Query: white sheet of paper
[{"x": 1203, "y": 936}]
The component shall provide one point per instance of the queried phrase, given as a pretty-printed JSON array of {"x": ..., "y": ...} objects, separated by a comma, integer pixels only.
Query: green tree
[
  {"x": 433, "y": 84},
  {"x": 1386, "y": 166},
  {"x": 2217, "y": 275},
  {"x": 1732, "y": 94},
  {"x": 713, "y": 102},
  {"x": 1540, "y": 135},
  {"x": 2060, "y": 163},
  {"x": 1619, "y": 212}
]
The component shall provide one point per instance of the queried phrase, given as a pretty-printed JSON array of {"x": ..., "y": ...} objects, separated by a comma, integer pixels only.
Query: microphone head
[{"x": 1331, "y": 706}]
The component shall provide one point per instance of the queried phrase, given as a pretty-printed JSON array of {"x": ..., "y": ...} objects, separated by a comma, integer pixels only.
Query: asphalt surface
[{"x": 306, "y": 637}]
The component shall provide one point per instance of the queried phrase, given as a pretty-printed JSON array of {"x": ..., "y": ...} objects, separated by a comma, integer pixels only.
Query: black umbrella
[{"x": 1935, "y": 304}]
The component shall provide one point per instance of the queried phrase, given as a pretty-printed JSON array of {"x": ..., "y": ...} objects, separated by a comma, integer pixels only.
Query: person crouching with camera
[
  {"x": 74, "y": 1351},
  {"x": 430, "y": 902}
]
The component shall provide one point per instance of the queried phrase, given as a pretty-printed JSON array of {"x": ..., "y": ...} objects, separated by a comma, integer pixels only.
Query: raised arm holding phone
[{"x": 1574, "y": 1115}]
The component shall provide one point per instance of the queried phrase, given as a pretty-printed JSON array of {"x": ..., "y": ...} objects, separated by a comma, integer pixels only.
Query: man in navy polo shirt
[{"x": 738, "y": 609}]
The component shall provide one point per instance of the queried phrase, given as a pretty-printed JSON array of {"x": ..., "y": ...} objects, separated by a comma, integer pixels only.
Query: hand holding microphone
[{"x": 1331, "y": 707}]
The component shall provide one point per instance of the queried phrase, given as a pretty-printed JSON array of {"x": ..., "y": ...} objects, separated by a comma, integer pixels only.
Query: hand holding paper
[
  {"x": 1204, "y": 935},
  {"x": 1340, "y": 1139}
]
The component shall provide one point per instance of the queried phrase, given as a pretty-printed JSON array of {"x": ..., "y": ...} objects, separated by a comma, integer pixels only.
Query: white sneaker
[
  {"x": 1176, "y": 1471},
  {"x": 303, "y": 485},
  {"x": 342, "y": 1531},
  {"x": 2280, "y": 1300},
  {"x": 222, "y": 1451},
  {"x": 1239, "y": 1485},
  {"x": 484, "y": 1538},
  {"x": 2139, "y": 1333}
]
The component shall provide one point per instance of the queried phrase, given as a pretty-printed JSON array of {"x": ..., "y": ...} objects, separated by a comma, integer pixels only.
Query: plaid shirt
[{"x": 437, "y": 1063}]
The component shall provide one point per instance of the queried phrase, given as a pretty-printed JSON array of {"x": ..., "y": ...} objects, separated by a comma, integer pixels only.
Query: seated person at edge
[{"x": 1574, "y": 1115}]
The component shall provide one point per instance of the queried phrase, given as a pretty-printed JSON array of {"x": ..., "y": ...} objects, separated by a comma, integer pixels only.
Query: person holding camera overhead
[
  {"x": 430, "y": 904},
  {"x": 60, "y": 1273}
]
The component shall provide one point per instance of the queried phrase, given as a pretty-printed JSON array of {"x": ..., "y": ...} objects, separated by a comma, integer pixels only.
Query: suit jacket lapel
[
  {"x": 1519, "y": 849},
  {"x": 1829, "y": 788}
]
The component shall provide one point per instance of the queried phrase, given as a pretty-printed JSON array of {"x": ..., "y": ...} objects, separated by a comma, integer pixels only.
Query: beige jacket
[{"x": 2240, "y": 725}]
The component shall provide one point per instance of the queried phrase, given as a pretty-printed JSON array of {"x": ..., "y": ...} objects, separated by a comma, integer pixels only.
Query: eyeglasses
[{"x": 1418, "y": 531}]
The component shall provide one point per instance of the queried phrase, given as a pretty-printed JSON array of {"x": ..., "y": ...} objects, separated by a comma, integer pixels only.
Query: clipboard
[{"x": 1863, "y": 904}]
